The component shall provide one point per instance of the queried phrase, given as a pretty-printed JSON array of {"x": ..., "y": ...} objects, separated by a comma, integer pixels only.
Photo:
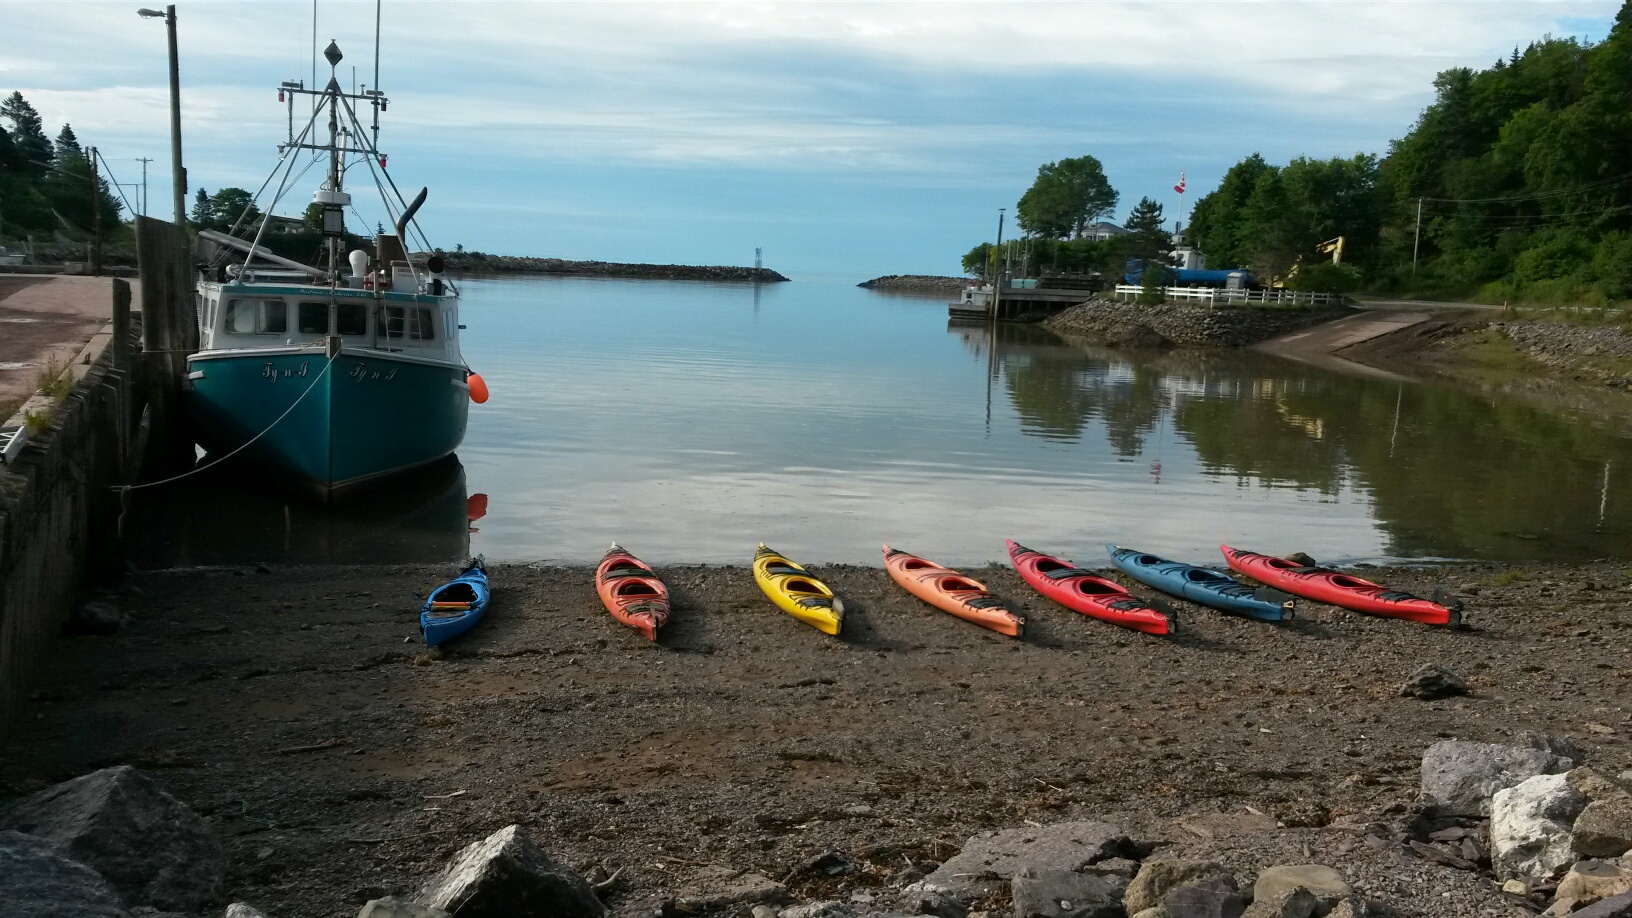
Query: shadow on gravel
[
  {"x": 688, "y": 628},
  {"x": 858, "y": 630}
]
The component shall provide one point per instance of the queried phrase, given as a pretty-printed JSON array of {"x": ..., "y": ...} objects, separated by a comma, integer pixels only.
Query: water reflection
[{"x": 1448, "y": 474}]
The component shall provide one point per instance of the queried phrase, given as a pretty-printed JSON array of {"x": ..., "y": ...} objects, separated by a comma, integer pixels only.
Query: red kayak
[
  {"x": 1085, "y": 592},
  {"x": 631, "y": 592},
  {"x": 1338, "y": 589}
]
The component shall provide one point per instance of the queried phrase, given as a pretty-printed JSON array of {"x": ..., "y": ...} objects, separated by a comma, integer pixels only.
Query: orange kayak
[
  {"x": 631, "y": 592},
  {"x": 952, "y": 592}
]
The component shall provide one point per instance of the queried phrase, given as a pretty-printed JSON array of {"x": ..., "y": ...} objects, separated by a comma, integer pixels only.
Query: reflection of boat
[
  {"x": 215, "y": 519},
  {"x": 330, "y": 377}
]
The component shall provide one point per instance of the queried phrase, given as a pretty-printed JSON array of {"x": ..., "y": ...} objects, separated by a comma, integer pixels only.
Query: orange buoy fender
[{"x": 478, "y": 387}]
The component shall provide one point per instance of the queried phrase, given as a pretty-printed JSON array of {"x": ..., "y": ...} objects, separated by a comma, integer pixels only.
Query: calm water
[{"x": 690, "y": 421}]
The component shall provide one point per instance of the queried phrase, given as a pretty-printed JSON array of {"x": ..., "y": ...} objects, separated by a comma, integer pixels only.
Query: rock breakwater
[
  {"x": 1130, "y": 325},
  {"x": 934, "y": 282},
  {"x": 480, "y": 262}
]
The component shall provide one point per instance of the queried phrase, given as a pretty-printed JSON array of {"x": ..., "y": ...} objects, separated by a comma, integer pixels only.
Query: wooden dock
[{"x": 1020, "y": 304}]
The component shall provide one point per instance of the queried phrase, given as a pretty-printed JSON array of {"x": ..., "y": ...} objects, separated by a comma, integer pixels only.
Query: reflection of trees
[
  {"x": 1058, "y": 390},
  {"x": 1449, "y": 473}
]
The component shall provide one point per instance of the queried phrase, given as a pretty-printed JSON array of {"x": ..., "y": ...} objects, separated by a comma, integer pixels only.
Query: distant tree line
[
  {"x": 45, "y": 186},
  {"x": 1522, "y": 172}
]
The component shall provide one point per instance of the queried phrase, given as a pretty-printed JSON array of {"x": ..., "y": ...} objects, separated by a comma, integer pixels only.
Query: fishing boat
[
  {"x": 952, "y": 592},
  {"x": 1086, "y": 592},
  {"x": 457, "y": 606},
  {"x": 328, "y": 377},
  {"x": 1345, "y": 590},
  {"x": 631, "y": 591},
  {"x": 1202, "y": 586},
  {"x": 797, "y": 592}
]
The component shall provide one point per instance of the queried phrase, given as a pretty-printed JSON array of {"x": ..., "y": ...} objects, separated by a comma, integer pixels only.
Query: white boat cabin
[{"x": 257, "y": 316}]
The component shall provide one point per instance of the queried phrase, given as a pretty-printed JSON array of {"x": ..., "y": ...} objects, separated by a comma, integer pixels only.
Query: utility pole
[
  {"x": 144, "y": 160},
  {"x": 178, "y": 175},
  {"x": 96, "y": 213},
  {"x": 1417, "y": 242}
]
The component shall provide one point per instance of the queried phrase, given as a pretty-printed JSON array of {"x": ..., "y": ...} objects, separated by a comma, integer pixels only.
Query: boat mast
[{"x": 333, "y": 56}]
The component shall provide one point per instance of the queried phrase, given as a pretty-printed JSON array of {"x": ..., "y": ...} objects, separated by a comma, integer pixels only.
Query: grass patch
[
  {"x": 37, "y": 422},
  {"x": 1508, "y": 578},
  {"x": 53, "y": 380}
]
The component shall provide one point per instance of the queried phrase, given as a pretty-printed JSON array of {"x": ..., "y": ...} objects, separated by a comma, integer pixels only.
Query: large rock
[
  {"x": 1613, "y": 907},
  {"x": 1432, "y": 681},
  {"x": 1463, "y": 776},
  {"x": 149, "y": 845},
  {"x": 1064, "y": 894},
  {"x": 1604, "y": 828},
  {"x": 1326, "y": 885},
  {"x": 1207, "y": 899},
  {"x": 1296, "y": 902},
  {"x": 39, "y": 881},
  {"x": 1159, "y": 877},
  {"x": 1589, "y": 881},
  {"x": 392, "y": 907},
  {"x": 819, "y": 910},
  {"x": 1530, "y": 827},
  {"x": 243, "y": 910},
  {"x": 507, "y": 876},
  {"x": 989, "y": 860}
]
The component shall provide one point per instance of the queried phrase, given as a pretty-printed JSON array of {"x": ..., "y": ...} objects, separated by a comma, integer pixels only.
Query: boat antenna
[{"x": 333, "y": 56}]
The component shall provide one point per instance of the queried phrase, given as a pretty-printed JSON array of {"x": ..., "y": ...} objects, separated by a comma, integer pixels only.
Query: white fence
[{"x": 1213, "y": 296}]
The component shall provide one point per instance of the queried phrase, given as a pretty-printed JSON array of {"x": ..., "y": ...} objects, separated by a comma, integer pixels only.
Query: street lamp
[{"x": 178, "y": 174}]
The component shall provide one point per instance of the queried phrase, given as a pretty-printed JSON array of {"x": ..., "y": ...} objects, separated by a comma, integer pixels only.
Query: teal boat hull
[{"x": 321, "y": 428}]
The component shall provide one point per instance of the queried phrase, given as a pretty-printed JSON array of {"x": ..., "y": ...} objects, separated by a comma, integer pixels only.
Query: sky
[{"x": 843, "y": 138}]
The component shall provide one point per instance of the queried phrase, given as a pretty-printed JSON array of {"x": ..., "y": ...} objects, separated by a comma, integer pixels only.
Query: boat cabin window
[
  {"x": 351, "y": 319},
  {"x": 257, "y": 317},
  {"x": 413, "y": 323},
  {"x": 314, "y": 318}
]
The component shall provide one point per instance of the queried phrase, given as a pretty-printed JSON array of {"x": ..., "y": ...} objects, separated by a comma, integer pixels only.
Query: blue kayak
[
  {"x": 1202, "y": 585},
  {"x": 456, "y": 606}
]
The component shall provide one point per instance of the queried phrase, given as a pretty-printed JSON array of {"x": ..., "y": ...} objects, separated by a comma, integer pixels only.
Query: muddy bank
[
  {"x": 338, "y": 761},
  {"x": 480, "y": 262},
  {"x": 1115, "y": 323},
  {"x": 930, "y": 282},
  {"x": 1567, "y": 365}
]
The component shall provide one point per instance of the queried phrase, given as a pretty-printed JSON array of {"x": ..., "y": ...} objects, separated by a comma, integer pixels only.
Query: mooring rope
[{"x": 124, "y": 490}]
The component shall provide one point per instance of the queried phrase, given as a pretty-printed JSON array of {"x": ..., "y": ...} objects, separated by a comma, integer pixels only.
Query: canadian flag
[{"x": 1180, "y": 186}]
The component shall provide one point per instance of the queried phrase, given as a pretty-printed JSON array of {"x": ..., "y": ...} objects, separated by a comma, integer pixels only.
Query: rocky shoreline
[
  {"x": 927, "y": 282},
  {"x": 747, "y": 765},
  {"x": 482, "y": 263},
  {"x": 1114, "y": 323}
]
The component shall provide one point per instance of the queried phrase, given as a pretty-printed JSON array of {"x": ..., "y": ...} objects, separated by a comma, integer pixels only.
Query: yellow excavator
[{"x": 1333, "y": 247}]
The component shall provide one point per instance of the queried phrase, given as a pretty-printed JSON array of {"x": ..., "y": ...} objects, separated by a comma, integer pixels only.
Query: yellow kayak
[{"x": 797, "y": 592}]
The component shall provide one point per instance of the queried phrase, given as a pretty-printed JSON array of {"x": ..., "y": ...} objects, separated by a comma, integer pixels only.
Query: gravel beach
[{"x": 338, "y": 760}]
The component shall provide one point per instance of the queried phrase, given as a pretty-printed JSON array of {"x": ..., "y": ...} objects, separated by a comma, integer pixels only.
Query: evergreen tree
[
  {"x": 67, "y": 144},
  {"x": 27, "y": 134},
  {"x": 1147, "y": 238},
  {"x": 10, "y": 160},
  {"x": 202, "y": 217}
]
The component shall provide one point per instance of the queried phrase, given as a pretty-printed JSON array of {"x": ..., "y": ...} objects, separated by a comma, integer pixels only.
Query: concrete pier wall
[{"x": 57, "y": 506}]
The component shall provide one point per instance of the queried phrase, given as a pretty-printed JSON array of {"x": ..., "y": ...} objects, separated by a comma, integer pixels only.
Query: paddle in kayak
[
  {"x": 1203, "y": 586},
  {"x": 631, "y": 592},
  {"x": 1086, "y": 592},
  {"x": 952, "y": 592},
  {"x": 456, "y": 606},
  {"x": 1339, "y": 589},
  {"x": 797, "y": 592}
]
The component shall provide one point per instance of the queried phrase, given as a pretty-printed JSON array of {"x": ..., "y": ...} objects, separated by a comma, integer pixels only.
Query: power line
[{"x": 1538, "y": 196}]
